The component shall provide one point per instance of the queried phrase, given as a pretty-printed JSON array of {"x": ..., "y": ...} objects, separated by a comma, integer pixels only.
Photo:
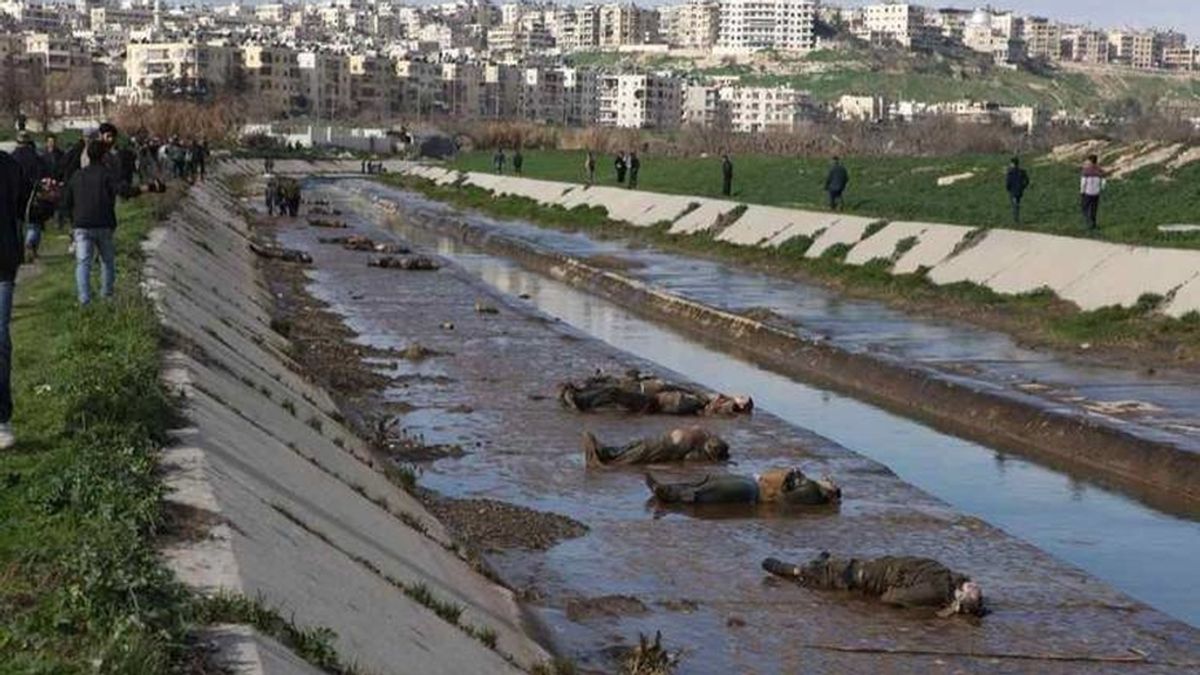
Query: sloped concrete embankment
[
  {"x": 292, "y": 509},
  {"x": 995, "y": 416},
  {"x": 1089, "y": 273}
]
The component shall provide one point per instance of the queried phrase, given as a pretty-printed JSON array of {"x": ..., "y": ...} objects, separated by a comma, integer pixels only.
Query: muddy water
[{"x": 1144, "y": 553}]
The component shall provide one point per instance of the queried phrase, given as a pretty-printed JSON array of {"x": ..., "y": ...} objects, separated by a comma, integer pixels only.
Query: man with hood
[
  {"x": 904, "y": 581},
  {"x": 787, "y": 487},
  {"x": 691, "y": 444}
]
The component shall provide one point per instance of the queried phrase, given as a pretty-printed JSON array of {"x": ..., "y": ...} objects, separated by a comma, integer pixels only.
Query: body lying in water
[
  {"x": 903, "y": 581},
  {"x": 692, "y": 444},
  {"x": 638, "y": 393},
  {"x": 788, "y": 487},
  {"x": 411, "y": 262}
]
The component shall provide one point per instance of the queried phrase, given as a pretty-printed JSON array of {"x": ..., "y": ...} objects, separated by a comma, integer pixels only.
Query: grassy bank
[
  {"x": 82, "y": 589},
  {"x": 1138, "y": 334},
  {"x": 900, "y": 188}
]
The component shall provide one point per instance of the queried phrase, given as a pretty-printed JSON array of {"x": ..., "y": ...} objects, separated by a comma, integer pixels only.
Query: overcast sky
[{"x": 1182, "y": 15}]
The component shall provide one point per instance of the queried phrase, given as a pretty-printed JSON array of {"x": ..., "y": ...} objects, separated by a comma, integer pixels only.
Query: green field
[{"x": 894, "y": 188}]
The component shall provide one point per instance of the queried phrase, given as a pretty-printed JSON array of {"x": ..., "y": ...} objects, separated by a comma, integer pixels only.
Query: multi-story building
[
  {"x": 1182, "y": 58},
  {"x": 694, "y": 24},
  {"x": 626, "y": 24},
  {"x": 896, "y": 23},
  {"x": 462, "y": 90},
  {"x": 188, "y": 62},
  {"x": 119, "y": 18},
  {"x": 501, "y": 91},
  {"x": 271, "y": 76},
  {"x": 639, "y": 101},
  {"x": 1042, "y": 38},
  {"x": 542, "y": 98},
  {"x": 57, "y": 52},
  {"x": 701, "y": 107},
  {"x": 420, "y": 86},
  {"x": 372, "y": 84},
  {"x": 520, "y": 37},
  {"x": 324, "y": 84},
  {"x": 997, "y": 35},
  {"x": 35, "y": 15},
  {"x": 1136, "y": 49},
  {"x": 873, "y": 108},
  {"x": 761, "y": 109},
  {"x": 580, "y": 102},
  {"x": 751, "y": 25},
  {"x": 1086, "y": 46}
]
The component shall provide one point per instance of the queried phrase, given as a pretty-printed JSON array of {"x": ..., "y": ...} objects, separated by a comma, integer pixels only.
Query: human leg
[
  {"x": 1016, "y": 209},
  {"x": 6, "y": 405},
  {"x": 84, "y": 250},
  {"x": 721, "y": 489},
  {"x": 33, "y": 238},
  {"x": 107, "y": 248}
]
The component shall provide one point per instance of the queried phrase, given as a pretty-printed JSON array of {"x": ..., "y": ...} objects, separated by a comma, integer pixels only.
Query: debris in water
[
  {"x": 482, "y": 308},
  {"x": 648, "y": 658}
]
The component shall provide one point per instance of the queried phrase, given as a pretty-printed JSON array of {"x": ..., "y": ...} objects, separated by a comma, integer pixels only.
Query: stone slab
[
  {"x": 703, "y": 217},
  {"x": 1049, "y": 261},
  {"x": 759, "y": 225},
  {"x": 844, "y": 230},
  {"x": 935, "y": 243},
  {"x": 1133, "y": 272},
  {"x": 883, "y": 243}
]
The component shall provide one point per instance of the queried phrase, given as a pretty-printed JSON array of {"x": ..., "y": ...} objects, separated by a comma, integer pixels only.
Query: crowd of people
[{"x": 77, "y": 186}]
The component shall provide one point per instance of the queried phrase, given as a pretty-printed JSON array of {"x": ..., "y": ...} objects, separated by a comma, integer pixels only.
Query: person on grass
[
  {"x": 90, "y": 201},
  {"x": 14, "y": 196}
]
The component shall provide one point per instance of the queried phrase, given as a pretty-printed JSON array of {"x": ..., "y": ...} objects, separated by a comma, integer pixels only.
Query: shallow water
[{"x": 1145, "y": 553}]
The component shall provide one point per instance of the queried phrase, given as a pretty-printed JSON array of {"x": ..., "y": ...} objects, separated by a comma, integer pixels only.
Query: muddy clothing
[
  {"x": 777, "y": 486},
  {"x": 360, "y": 243},
  {"x": 414, "y": 263},
  {"x": 646, "y": 395},
  {"x": 680, "y": 445},
  {"x": 280, "y": 253},
  {"x": 897, "y": 580}
]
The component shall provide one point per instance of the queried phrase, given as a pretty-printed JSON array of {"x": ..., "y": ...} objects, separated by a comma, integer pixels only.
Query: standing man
[
  {"x": 14, "y": 195},
  {"x": 90, "y": 199},
  {"x": 518, "y": 161},
  {"x": 202, "y": 159},
  {"x": 589, "y": 167},
  {"x": 619, "y": 166},
  {"x": 34, "y": 171},
  {"x": 635, "y": 165},
  {"x": 1091, "y": 184},
  {"x": 1016, "y": 182},
  {"x": 835, "y": 184},
  {"x": 52, "y": 157},
  {"x": 498, "y": 160},
  {"x": 726, "y": 175}
]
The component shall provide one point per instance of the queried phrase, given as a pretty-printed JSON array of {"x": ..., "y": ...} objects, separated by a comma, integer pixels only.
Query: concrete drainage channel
[
  {"x": 1065, "y": 516},
  {"x": 293, "y": 511}
]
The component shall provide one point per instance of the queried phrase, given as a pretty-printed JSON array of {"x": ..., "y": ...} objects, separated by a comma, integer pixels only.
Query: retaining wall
[
  {"x": 301, "y": 516},
  {"x": 1089, "y": 273}
]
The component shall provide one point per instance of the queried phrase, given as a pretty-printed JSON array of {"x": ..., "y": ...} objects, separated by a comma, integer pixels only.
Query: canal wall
[
  {"x": 1088, "y": 273},
  {"x": 288, "y": 506}
]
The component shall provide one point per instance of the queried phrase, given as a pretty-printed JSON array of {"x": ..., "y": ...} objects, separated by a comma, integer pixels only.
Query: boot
[{"x": 781, "y": 569}]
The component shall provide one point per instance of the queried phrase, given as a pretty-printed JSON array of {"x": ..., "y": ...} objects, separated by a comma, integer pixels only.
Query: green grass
[
  {"x": 1037, "y": 317},
  {"x": 901, "y": 188}
]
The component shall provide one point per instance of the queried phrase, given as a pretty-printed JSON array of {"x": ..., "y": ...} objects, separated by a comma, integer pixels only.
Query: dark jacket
[
  {"x": 72, "y": 161},
  {"x": 1016, "y": 181},
  {"x": 838, "y": 179},
  {"x": 54, "y": 161},
  {"x": 90, "y": 198},
  {"x": 727, "y": 169},
  {"x": 14, "y": 193},
  {"x": 31, "y": 163}
]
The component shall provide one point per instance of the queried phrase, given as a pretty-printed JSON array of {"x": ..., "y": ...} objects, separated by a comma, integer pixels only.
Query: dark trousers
[
  {"x": 1091, "y": 209},
  {"x": 1016, "y": 208},
  {"x": 727, "y": 185},
  {"x": 835, "y": 200},
  {"x": 6, "y": 302},
  {"x": 633, "y": 178},
  {"x": 620, "y": 175}
]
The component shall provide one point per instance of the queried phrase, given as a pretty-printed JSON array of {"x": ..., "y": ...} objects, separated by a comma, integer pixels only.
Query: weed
[
  {"x": 289, "y": 406},
  {"x": 315, "y": 424},
  {"x": 420, "y": 593}
]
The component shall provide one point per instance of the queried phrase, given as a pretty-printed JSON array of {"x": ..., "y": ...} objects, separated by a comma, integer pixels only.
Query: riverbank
[{"x": 907, "y": 189}]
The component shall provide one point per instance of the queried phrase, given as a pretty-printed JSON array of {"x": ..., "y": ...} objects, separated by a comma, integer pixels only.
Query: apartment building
[
  {"x": 522, "y": 37},
  {"x": 694, "y": 24},
  {"x": 501, "y": 92},
  {"x": 639, "y": 101},
  {"x": 751, "y": 25},
  {"x": 462, "y": 90},
  {"x": 147, "y": 63},
  {"x": 626, "y": 24},
  {"x": 1181, "y": 58},
  {"x": 855, "y": 108},
  {"x": 763, "y": 109},
  {"x": 1043, "y": 38},
  {"x": 324, "y": 90},
  {"x": 1086, "y": 46},
  {"x": 119, "y": 18},
  {"x": 372, "y": 84},
  {"x": 580, "y": 103},
  {"x": 1135, "y": 49},
  {"x": 542, "y": 97},
  {"x": 271, "y": 74},
  {"x": 997, "y": 35},
  {"x": 35, "y": 15},
  {"x": 420, "y": 86},
  {"x": 57, "y": 52},
  {"x": 701, "y": 107},
  {"x": 896, "y": 23}
]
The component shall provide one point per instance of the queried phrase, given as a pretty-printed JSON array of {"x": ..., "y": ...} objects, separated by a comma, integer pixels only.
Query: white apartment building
[
  {"x": 1043, "y": 38},
  {"x": 761, "y": 109},
  {"x": 520, "y": 37},
  {"x": 896, "y": 23},
  {"x": 149, "y": 62},
  {"x": 640, "y": 101},
  {"x": 694, "y": 24},
  {"x": 542, "y": 97},
  {"x": 324, "y": 84},
  {"x": 751, "y": 25},
  {"x": 57, "y": 52},
  {"x": 462, "y": 90},
  {"x": 626, "y": 24},
  {"x": 272, "y": 75},
  {"x": 854, "y": 108},
  {"x": 580, "y": 102},
  {"x": 701, "y": 107},
  {"x": 1086, "y": 46},
  {"x": 1182, "y": 58},
  {"x": 996, "y": 35}
]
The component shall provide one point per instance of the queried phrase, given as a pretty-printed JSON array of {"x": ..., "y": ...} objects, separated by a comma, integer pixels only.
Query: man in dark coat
[
  {"x": 836, "y": 182},
  {"x": 1016, "y": 182},
  {"x": 726, "y": 175},
  {"x": 35, "y": 171},
  {"x": 90, "y": 200},
  {"x": 635, "y": 166},
  {"x": 620, "y": 167},
  {"x": 904, "y": 581},
  {"x": 14, "y": 195}
]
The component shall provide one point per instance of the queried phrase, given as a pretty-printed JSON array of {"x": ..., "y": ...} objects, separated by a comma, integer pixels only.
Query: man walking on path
[
  {"x": 726, "y": 175},
  {"x": 35, "y": 172},
  {"x": 518, "y": 161},
  {"x": 498, "y": 160},
  {"x": 635, "y": 165},
  {"x": 90, "y": 199},
  {"x": 589, "y": 167},
  {"x": 835, "y": 184},
  {"x": 1016, "y": 183},
  {"x": 14, "y": 195},
  {"x": 1091, "y": 184}
]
